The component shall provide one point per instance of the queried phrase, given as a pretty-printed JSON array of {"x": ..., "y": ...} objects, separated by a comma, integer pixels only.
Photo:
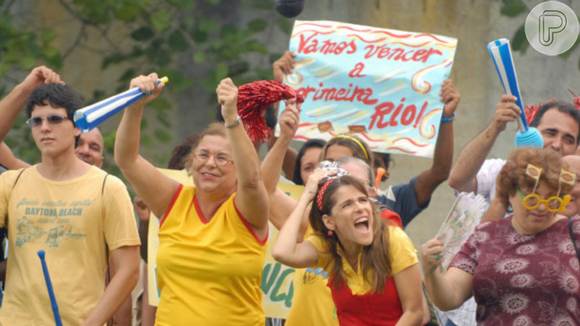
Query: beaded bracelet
[{"x": 445, "y": 119}]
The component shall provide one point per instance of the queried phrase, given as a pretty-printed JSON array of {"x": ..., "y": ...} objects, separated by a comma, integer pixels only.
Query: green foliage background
[
  {"x": 160, "y": 33},
  {"x": 519, "y": 42}
]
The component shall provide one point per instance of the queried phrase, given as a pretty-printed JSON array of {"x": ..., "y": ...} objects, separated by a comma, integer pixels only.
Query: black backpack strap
[
  {"x": 103, "y": 187},
  {"x": 18, "y": 178},
  {"x": 573, "y": 238},
  {"x": 102, "y": 213}
]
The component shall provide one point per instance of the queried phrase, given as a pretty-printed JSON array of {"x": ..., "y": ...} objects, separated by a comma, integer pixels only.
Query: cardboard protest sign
[{"x": 378, "y": 83}]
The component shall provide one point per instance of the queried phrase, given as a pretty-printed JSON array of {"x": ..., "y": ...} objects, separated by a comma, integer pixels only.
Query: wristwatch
[{"x": 235, "y": 124}]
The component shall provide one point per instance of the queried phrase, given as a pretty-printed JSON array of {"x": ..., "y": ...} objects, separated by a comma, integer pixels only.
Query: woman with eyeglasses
[
  {"x": 212, "y": 236},
  {"x": 523, "y": 269}
]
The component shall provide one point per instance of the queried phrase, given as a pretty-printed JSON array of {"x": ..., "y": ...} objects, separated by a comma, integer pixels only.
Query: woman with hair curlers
[{"x": 522, "y": 269}]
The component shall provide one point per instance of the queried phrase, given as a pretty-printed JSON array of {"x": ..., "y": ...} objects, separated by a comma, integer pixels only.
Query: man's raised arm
[
  {"x": 11, "y": 105},
  {"x": 471, "y": 158}
]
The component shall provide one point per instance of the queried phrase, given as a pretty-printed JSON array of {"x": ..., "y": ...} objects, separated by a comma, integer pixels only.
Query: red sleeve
[{"x": 389, "y": 215}]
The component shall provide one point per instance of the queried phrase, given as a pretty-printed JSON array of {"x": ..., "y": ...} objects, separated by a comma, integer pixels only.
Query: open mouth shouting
[{"x": 362, "y": 224}]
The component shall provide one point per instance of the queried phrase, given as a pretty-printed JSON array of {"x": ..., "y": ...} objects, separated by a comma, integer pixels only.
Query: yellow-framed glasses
[{"x": 553, "y": 204}]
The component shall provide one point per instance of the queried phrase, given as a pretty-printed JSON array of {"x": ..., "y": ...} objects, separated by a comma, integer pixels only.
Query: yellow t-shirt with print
[
  {"x": 70, "y": 221},
  {"x": 209, "y": 272}
]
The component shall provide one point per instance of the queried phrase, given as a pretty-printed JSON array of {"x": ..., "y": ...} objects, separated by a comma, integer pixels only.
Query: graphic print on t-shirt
[
  {"x": 311, "y": 275},
  {"x": 49, "y": 221}
]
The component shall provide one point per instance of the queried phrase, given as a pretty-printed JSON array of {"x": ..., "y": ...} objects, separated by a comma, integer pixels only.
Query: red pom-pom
[
  {"x": 576, "y": 99},
  {"x": 254, "y": 98},
  {"x": 530, "y": 112}
]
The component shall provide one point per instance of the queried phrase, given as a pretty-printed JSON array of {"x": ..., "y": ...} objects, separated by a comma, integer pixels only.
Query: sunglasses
[{"x": 53, "y": 119}]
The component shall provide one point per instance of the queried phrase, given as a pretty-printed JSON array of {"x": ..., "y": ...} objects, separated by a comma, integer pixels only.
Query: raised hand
[
  {"x": 450, "y": 97},
  {"x": 505, "y": 111},
  {"x": 39, "y": 76},
  {"x": 314, "y": 180},
  {"x": 227, "y": 94},
  {"x": 284, "y": 65},
  {"x": 148, "y": 85},
  {"x": 289, "y": 119}
]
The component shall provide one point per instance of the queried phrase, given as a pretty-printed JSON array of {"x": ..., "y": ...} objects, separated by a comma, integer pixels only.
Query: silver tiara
[{"x": 332, "y": 166}]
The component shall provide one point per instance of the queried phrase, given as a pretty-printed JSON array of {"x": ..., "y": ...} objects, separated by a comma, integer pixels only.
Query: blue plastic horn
[{"x": 501, "y": 54}]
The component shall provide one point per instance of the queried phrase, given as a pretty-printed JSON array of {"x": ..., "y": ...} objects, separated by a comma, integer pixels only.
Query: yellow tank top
[{"x": 208, "y": 272}]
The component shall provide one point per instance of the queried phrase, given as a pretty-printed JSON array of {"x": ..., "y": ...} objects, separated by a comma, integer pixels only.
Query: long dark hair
[
  {"x": 311, "y": 143},
  {"x": 376, "y": 266}
]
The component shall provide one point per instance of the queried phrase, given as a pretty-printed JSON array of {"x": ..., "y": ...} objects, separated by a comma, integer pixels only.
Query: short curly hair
[
  {"x": 57, "y": 96},
  {"x": 513, "y": 174}
]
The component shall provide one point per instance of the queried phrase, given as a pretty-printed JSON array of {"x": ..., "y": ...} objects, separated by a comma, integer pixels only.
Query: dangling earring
[{"x": 329, "y": 233}]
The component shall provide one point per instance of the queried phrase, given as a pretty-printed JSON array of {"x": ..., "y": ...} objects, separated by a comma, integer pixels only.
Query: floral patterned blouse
[{"x": 523, "y": 280}]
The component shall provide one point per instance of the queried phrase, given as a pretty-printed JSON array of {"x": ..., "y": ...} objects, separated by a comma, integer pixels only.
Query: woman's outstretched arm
[{"x": 152, "y": 186}]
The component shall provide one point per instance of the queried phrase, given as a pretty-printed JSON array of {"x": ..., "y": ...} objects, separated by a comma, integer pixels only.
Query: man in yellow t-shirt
[{"x": 74, "y": 212}]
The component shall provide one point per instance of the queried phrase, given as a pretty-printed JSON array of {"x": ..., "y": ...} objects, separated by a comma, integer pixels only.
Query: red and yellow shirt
[{"x": 209, "y": 272}]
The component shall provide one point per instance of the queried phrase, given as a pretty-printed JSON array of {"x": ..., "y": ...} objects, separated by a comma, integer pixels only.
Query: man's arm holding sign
[
  {"x": 428, "y": 181},
  {"x": 284, "y": 66},
  {"x": 464, "y": 174}
]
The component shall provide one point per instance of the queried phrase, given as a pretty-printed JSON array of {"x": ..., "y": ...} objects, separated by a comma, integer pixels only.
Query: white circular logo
[{"x": 552, "y": 28}]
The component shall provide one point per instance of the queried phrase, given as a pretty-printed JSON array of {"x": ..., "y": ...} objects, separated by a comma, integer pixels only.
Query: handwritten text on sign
[{"x": 381, "y": 84}]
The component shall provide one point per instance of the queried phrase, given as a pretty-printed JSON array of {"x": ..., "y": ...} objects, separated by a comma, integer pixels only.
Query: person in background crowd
[
  {"x": 573, "y": 207},
  {"x": 307, "y": 160},
  {"x": 558, "y": 123}
]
